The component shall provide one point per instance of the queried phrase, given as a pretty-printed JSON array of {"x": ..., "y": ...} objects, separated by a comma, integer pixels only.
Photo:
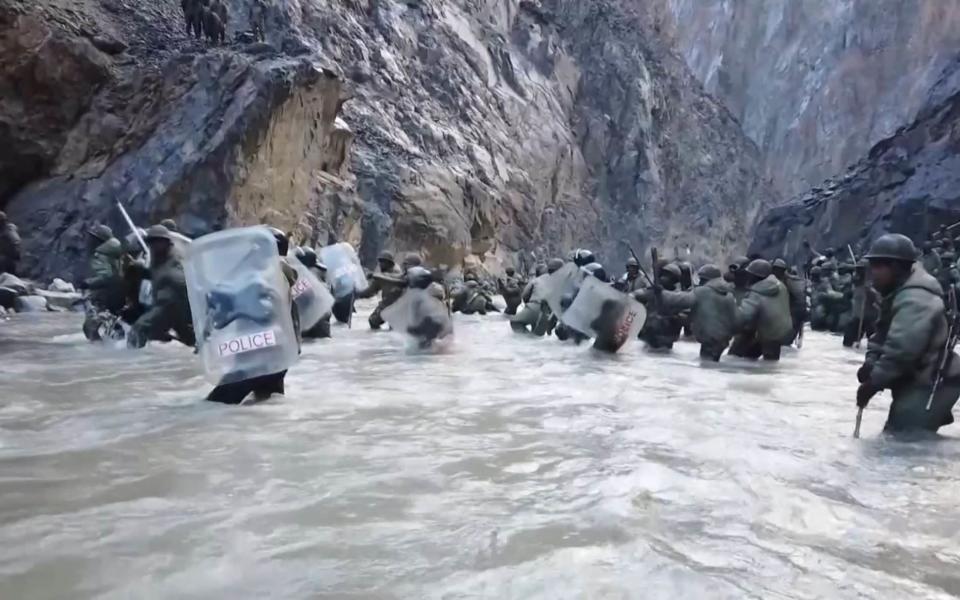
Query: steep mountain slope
[
  {"x": 816, "y": 83},
  {"x": 908, "y": 183},
  {"x": 474, "y": 130}
]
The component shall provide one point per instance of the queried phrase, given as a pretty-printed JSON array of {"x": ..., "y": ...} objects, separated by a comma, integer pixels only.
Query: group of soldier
[
  {"x": 210, "y": 18},
  {"x": 904, "y": 301},
  {"x": 206, "y": 18}
]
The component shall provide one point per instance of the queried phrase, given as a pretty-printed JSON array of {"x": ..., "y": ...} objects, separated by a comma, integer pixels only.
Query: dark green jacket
[
  {"x": 106, "y": 282},
  {"x": 797, "y": 288},
  {"x": 931, "y": 262},
  {"x": 170, "y": 308},
  {"x": 911, "y": 331},
  {"x": 389, "y": 284},
  {"x": 765, "y": 310},
  {"x": 713, "y": 310}
]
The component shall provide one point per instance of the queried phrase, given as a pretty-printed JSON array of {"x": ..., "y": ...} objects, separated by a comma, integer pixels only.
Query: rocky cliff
[
  {"x": 816, "y": 83},
  {"x": 473, "y": 130},
  {"x": 908, "y": 183}
]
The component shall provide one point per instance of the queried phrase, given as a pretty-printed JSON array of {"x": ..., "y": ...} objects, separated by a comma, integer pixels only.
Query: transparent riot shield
[
  {"x": 606, "y": 314},
  {"x": 559, "y": 287},
  {"x": 241, "y": 305},
  {"x": 419, "y": 314},
  {"x": 313, "y": 299},
  {"x": 344, "y": 271}
]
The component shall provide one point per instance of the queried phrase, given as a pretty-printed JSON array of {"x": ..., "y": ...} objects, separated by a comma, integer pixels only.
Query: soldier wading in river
[{"x": 910, "y": 353}]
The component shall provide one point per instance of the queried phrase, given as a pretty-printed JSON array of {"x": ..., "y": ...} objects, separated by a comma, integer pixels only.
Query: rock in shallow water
[
  {"x": 62, "y": 301},
  {"x": 31, "y": 304},
  {"x": 60, "y": 285},
  {"x": 8, "y": 297},
  {"x": 12, "y": 282}
]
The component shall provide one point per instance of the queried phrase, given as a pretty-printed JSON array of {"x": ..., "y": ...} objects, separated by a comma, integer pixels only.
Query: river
[{"x": 507, "y": 467}]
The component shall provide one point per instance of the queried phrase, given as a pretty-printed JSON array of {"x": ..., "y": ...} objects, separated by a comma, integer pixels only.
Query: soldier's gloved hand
[
  {"x": 863, "y": 373},
  {"x": 865, "y": 392}
]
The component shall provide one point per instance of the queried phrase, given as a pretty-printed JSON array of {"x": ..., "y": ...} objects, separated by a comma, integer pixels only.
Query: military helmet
[
  {"x": 739, "y": 262},
  {"x": 419, "y": 278},
  {"x": 947, "y": 258},
  {"x": 927, "y": 246},
  {"x": 816, "y": 271},
  {"x": 307, "y": 256},
  {"x": 411, "y": 260},
  {"x": 760, "y": 268},
  {"x": 510, "y": 271},
  {"x": 829, "y": 252},
  {"x": 101, "y": 232},
  {"x": 157, "y": 232},
  {"x": 709, "y": 273},
  {"x": 554, "y": 265},
  {"x": 673, "y": 269},
  {"x": 540, "y": 269},
  {"x": 780, "y": 264},
  {"x": 597, "y": 270},
  {"x": 632, "y": 263},
  {"x": 583, "y": 257},
  {"x": 893, "y": 246},
  {"x": 283, "y": 243},
  {"x": 3, "y": 217},
  {"x": 386, "y": 257},
  {"x": 170, "y": 224}
]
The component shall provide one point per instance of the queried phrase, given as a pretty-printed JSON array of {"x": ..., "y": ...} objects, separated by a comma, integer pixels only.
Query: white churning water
[{"x": 507, "y": 467}]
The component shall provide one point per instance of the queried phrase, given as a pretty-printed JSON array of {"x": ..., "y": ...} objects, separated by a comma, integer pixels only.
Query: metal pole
[{"x": 136, "y": 232}]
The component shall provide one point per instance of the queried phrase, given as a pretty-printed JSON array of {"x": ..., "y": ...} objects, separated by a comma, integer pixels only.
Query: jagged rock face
[
  {"x": 471, "y": 130},
  {"x": 907, "y": 184},
  {"x": 487, "y": 127},
  {"x": 817, "y": 82}
]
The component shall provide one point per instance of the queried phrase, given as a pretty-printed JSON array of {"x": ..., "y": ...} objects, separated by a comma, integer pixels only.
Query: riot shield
[
  {"x": 344, "y": 272},
  {"x": 313, "y": 299},
  {"x": 241, "y": 305},
  {"x": 606, "y": 314},
  {"x": 560, "y": 287},
  {"x": 419, "y": 314}
]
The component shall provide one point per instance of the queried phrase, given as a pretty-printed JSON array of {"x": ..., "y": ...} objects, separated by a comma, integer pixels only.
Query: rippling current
[{"x": 507, "y": 467}]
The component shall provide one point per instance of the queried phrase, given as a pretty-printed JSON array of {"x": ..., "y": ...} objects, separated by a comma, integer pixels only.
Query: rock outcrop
[
  {"x": 908, "y": 183},
  {"x": 473, "y": 130},
  {"x": 816, "y": 83}
]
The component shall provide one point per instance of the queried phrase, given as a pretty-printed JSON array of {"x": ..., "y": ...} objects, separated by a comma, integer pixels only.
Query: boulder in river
[
  {"x": 31, "y": 304},
  {"x": 62, "y": 301},
  {"x": 12, "y": 282},
  {"x": 8, "y": 297},
  {"x": 60, "y": 285}
]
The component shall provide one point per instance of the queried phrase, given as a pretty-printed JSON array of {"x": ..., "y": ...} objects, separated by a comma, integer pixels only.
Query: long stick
[
  {"x": 136, "y": 232},
  {"x": 856, "y": 428},
  {"x": 640, "y": 266},
  {"x": 947, "y": 351},
  {"x": 853, "y": 256}
]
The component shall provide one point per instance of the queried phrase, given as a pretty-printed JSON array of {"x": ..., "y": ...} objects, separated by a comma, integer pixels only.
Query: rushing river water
[{"x": 507, "y": 467}]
